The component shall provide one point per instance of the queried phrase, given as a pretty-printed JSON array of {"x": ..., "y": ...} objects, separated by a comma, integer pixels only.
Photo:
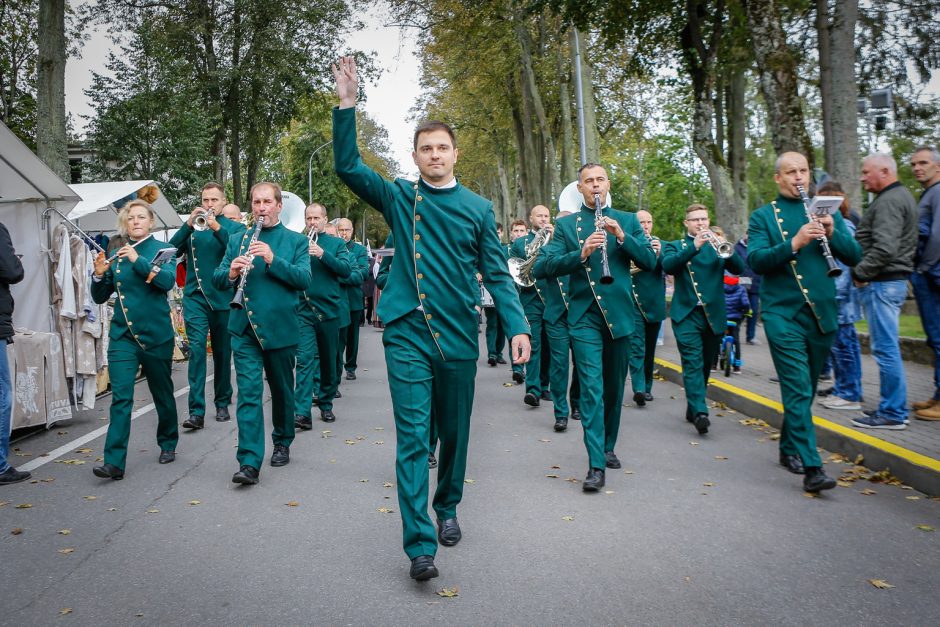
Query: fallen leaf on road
[
  {"x": 379, "y": 442},
  {"x": 380, "y": 428},
  {"x": 858, "y": 462},
  {"x": 867, "y": 492},
  {"x": 608, "y": 491},
  {"x": 16, "y": 531},
  {"x": 83, "y": 450},
  {"x": 708, "y": 484},
  {"x": 926, "y": 528},
  {"x": 64, "y": 532},
  {"x": 64, "y": 611},
  {"x": 628, "y": 472},
  {"x": 24, "y": 506},
  {"x": 385, "y": 510},
  {"x": 556, "y": 467},
  {"x": 544, "y": 440},
  {"x": 912, "y": 498},
  {"x": 90, "y": 498},
  {"x": 326, "y": 432},
  {"x": 292, "y": 503},
  {"x": 693, "y": 443},
  {"x": 721, "y": 458},
  {"x": 66, "y": 551},
  {"x": 906, "y": 487},
  {"x": 573, "y": 480},
  {"x": 507, "y": 385},
  {"x": 567, "y": 518},
  {"x": 47, "y": 480},
  {"x": 552, "y": 476},
  {"x": 811, "y": 495},
  {"x": 2, "y": 503},
  {"x": 360, "y": 437},
  {"x": 350, "y": 442},
  {"x": 880, "y": 583},
  {"x": 774, "y": 436},
  {"x": 363, "y": 481},
  {"x": 112, "y": 509},
  {"x": 448, "y": 592},
  {"x": 469, "y": 480},
  {"x": 332, "y": 461},
  {"x": 388, "y": 484},
  {"x": 153, "y": 511},
  {"x": 844, "y": 484},
  {"x": 195, "y": 502},
  {"x": 70, "y": 462}
]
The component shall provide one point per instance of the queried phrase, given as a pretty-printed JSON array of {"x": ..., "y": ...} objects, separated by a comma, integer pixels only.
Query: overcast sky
[{"x": 388, "y": 101}]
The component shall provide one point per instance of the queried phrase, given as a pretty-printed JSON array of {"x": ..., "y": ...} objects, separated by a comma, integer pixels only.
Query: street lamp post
[{"x": 310, "y": 171}]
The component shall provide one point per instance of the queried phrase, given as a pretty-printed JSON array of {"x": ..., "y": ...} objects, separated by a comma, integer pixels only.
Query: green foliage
[{"x": 18, "y": 52}]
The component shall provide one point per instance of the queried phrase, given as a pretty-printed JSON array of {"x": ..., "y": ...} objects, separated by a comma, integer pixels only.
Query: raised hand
[
  {"x": 347, "y": 82},
  {"x": 101, "y": 265}
]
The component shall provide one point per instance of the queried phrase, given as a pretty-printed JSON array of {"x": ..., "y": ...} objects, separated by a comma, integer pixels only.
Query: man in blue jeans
[
  {"x": 11, "y": 271},
  {"x": 888, "y": 237},
  {"x": 925, "y": 162}
]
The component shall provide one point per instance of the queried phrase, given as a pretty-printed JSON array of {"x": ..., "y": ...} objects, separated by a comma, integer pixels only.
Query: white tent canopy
[
  {"x": 96, "y": 212},
  {"x": 27, "y": 189}
]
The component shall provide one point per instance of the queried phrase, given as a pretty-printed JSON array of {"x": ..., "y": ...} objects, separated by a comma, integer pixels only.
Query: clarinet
[
  {"x": 238, "y": 301},
  {"x": 606, "y": 279},
  {"x": 834, "y": 269}
]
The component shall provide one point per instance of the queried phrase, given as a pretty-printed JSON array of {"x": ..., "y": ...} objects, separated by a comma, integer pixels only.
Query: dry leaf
[
  {"x": 380, "y": 428},
  {"x": 16, "y": 531},
  {"x": 720, "y": 457},
  {"x": 556, "y": 467},
  {"x": 774, "y": 436},
  {"x": 360, "y": 437},
  {"x": 448, "y": 592},
  {"x": 567, "y": 518},
  {"x": 385, "y": 510},
  {"x": 608, "y": 491},
  {"x": 811, "y": 495},
  {"x": 83, "y": 450},
  {"x": 867, "y": 492},
  {"x": 153, "y": 511},
  {"x": 90, "y": 498},
  {"x": 363, "y": 481},
  {"x": 880, "y": 583},
  {"x": 912, "y": 498},
  {"x": 693, "y": 443},
  {"x": 64, "y": 611},
  {"x": 858, "y": 462},
  {"x": 195, "y": 502},
  {"x": 628, "y": 472},
  {"x": 906, "y": 487},
  {"x": 47, "y": 480},
  {"x": 350, "y": 442},
  {"x": 573, "y": 480},
  {"x": 388, "y": 484},
  {"x": 469, "y": 480},
  {"x": 112, "y": 509},
  {"x": 379, "y": 442},
  {"x": 552, "y": 476},
  {"x": 3, "y": 503},
  {"x": 64, "y": 532},
  {"x": 844, "y": 484},
  {"x": 708, "y": 484},
  {"x": 326, "y": 432},
  {"x": 925, "y": 528},
  {"x": 544, "y": 440},
  {"x": 507, "y": 385},
  {"x": 292, "y": 503},
  {"x": 67, "y": 551},
  {"x": 70, "y": 462},
  {"x": 24, "y": 506}
]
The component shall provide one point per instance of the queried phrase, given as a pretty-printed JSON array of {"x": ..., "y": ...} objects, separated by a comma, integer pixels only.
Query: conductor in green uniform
[
  {"x": 141, "y": 336},
  {"x": 600, "y": 315},
  {"x": 698, "y": 304},
  {"x": 205, "y": 308},
  {"x": 352, "y": 286},
  {"x": 798, "y": 306},
  {"x": 265, "y": 330},
  {"x": 444, "y": 234},
  {"x": 319, "y": 316},
  {"x": 533, "y": 303},
  {"x": 649, "y": 302}
]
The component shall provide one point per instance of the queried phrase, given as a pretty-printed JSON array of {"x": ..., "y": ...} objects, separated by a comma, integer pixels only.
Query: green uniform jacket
[
  {"x": 325, "y": 298},
  {"x": 562, "y": 255},
  {"x": 556, "y": 299},
  {"x": 442, "y": 236},
  {"x": 529, "y": 296},
  {"x": 271, "y": 292},
  {"x": 791, "y": 281},
  {"x": 699, "y": 278},
  {"x": 649, "y": 292},
  {"x": 352, "y": 284},
  {"x": 204, "y": 251},
  {"x": 141, "y": 310},
  {"x": 381, "y": 278}
]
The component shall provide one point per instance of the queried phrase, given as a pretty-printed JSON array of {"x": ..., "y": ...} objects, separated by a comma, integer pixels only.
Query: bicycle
[{"x": 727, "y": 357}]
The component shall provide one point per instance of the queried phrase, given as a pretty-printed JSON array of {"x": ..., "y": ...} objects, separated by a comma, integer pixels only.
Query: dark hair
[
  {"x": 516, "y": 223},
  {"x": 589, "y": 165},
  {"x": 214, "y": 185},
  {"x": 274, "y": 186},
  {"x": 499, "y": 226},
  {"x": 434, "y": 125},
  {"x": 834, "y": 186}
]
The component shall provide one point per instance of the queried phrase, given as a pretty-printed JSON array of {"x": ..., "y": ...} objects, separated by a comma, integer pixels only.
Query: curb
[{"x": 914, "y": 469}]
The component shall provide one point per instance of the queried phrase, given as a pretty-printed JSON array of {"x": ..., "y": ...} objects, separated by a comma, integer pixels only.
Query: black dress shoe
[
  {"x": 793, "y": 463},
  {"x": 194, "y": 422},
  {"x": 491, "y": 362},
  {"x": 647, "y": 397},
  {"x": 327, "y": 415},
  {"x": 701, "y": 423},
  {"x": 575, "y": 413},
  {"x": 246, "y": 475},
  {"x": 108, "y": 471},
  {"x": 561, "y": 424},
  {"x": 500, "y": 359},
  {"x": 517, "y": 377},
  {"x": 594, "y": 480},
  {"x": 531, "y": 399},
  {"x": 432, "y": 461},
  {"x": 12, "y": 475},
  {"x": 816, "y": 480},
  {"x": 315, "y": 402},
  {"x": 688, "y": 415},
  {"x": 423, "y": 568},
  {"x": 167, "y": 457},
  {"x": 640, "y": 399},
  {"x": 547, "y": 396},
  {"x": 448, "y": 532},
  {"x": 281, "y": 455},
  {"x": 350, "y": 376},
  {"x": 303, "y": 422},
  {"x": 611, "y": 460},
  {"x": 222, "y": 415},
  {"x": 338, "y": 394}
]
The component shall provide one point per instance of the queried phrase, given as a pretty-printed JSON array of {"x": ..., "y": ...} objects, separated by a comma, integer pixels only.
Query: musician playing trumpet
[
  {"x": 265, "y": 330},
  {"x": 698, "y": 263}
]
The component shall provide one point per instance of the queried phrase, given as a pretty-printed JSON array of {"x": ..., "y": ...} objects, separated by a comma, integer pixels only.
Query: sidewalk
[{"x": 912, "y": 455}]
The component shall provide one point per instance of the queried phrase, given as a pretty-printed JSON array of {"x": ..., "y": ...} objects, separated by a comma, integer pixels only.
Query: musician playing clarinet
[
  {"x": 272, "y": 264},
  {"x": 600, "y": 312},
  {"x": 798, "y": 305}
]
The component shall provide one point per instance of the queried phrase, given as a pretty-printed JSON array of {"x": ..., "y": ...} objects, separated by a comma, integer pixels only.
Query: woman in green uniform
[{"x": 141, "y": 335}]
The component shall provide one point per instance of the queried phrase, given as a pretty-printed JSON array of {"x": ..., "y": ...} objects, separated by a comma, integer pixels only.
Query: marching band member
[
  {"x": 698, "y": 304},
  {"x": 555, "y": 323},
  {"x": 600, "y": 314},
  {"x": 352, "y": 286},
  {"x": 141, "y": 335},
  {"x": 798, "y": 306},
  {"x": 319, "y": 319},
  {"x": 273, "y": 267},
  {"x": 203, "y": 239},
  {"x": 444, "y": 234},
  {"x": 649, "y": 308},
  {"x": 516, "y": 230}
]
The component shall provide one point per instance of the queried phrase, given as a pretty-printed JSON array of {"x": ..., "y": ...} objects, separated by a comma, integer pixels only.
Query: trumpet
[
  {"x": 723, "y": 247},
  {"x": 200, "y": 222},
  {"x": 313, "y": 235},
  {"x": 238, "y": 301}
]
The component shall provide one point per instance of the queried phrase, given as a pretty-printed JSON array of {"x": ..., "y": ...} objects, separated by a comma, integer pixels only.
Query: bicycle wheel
[{"x": 728, "y": 352}]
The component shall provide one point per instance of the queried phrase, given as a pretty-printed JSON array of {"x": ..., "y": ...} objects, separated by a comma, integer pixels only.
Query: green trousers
[
  {"x": 698, "y": 346},
  {"x": 602, "y": 370},
  {"x": 201, "y": 322},
  {"x": 423, "y": 385},
  {"x": 124, "y": 358},
  {"x": 799, "y": 350},
  {"x": 643, "y": 352},
  {"x": 349, "y": 343},
  {"x": 533, "y": 368},
  {"x": 252, "y": 366},
  {"x": 559, "y": 345},
  {"x": 545, "y": 353},
  {"x": 495, "y": 337},
  {"x": 316, "y": 355}
]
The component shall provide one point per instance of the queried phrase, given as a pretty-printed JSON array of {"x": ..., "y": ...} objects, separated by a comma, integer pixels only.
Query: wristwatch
[{"x": 154, "y": 271}]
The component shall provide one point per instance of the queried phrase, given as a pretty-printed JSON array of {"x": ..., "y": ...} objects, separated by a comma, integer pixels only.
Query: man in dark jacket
[
  {"x": 11, "y": 271},
  {"x": 888, "y": 237}
]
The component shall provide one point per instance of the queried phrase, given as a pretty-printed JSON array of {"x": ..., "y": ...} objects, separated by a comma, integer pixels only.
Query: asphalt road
[{"x": 694, "y": 531}]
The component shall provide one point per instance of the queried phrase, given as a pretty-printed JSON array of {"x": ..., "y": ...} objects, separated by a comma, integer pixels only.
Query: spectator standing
[
  {"x": 926, "y": 277},
  {"x": 751, "y": 282},
  {"x": 11, "y": 271},
  {"x": 888, "y": 237}
]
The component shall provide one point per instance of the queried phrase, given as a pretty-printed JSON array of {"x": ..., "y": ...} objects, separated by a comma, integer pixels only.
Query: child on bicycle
[{"x": 738, "y": 307}]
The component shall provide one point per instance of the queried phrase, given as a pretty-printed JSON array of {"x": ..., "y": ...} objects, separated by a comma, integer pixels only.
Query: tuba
[{"x": 521, "y": 269}]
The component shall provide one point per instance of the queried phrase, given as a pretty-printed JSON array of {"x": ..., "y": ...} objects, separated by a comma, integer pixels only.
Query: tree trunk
[
  {"x": 846, "y": 163},
  {"x": 593, "y": 143},
  {"x": 777, "y": 67},
  {"x": 824, "y": 47},
  {"x": 51, "y": 140},
  {"x": 737, "y": 132},
  {"x": 569, "y": 167}
]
